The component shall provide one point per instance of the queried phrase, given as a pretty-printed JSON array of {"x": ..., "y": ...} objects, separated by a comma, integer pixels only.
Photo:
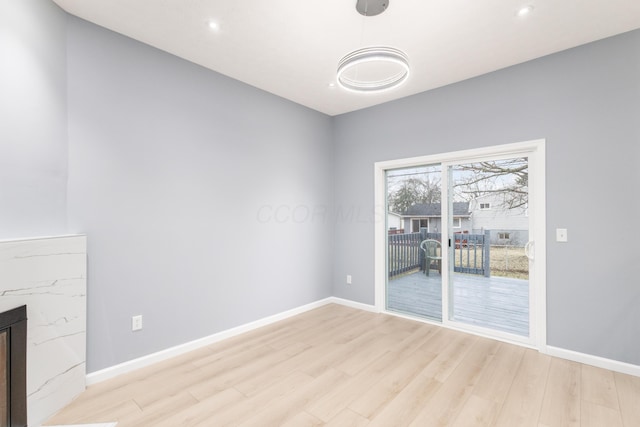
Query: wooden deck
[{"x": 498, "y": 303}]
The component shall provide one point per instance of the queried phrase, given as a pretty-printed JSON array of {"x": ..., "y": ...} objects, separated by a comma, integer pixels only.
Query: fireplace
[
  {"x": 13, "y": 367},
  {"x": 48, "y": 275}
]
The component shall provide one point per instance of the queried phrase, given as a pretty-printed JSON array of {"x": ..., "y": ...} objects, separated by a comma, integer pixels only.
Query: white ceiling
[{"x": 292, "y": 47}]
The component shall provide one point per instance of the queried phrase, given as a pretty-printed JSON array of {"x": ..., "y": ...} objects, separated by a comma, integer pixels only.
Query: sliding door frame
[{"x": 535, "y": 151}]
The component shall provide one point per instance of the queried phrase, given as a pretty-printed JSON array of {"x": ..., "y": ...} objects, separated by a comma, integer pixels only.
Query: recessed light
[
  {"x": 213, "y": 25},
  {"x": 524, "y": 10},
  {"x": 332, "y": 85}
]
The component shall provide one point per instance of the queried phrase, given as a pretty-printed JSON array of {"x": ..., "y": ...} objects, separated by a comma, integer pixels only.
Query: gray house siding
[
  {"x": 515, "y": 237},
  {"x": 435, "y": 224},
  {"x": 429, "y": 215},
  {"x": 499, "y": 220}
]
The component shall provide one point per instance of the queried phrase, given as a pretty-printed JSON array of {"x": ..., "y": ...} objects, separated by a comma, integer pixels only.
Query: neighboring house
[
  {"x": 507, "y": 226},
  {"x": 394, "y": 222},
  {"x": 429, "y": 216},
  {"x": 485, "y": 213}
]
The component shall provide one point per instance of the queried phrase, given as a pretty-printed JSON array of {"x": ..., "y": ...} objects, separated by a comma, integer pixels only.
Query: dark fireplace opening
[{"x": 13, "y": 367}]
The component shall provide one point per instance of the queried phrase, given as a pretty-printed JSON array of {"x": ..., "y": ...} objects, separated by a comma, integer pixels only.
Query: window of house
[
  {"x": 485, "y": 206},
  {"x": 504, "y": 236},
  {"x": 457, "y": 222},
  {"x": 417, "y": 224}
]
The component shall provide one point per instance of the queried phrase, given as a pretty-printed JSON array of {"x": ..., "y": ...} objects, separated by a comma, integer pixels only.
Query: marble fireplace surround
[{"x": 48, "y": 275}]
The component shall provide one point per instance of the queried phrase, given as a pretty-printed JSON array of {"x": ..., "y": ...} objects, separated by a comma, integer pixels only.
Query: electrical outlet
[
  {"x": 136, "y": 322},
  {"x": 348, "y": 279},
  {"x": 561, "y": 235}
]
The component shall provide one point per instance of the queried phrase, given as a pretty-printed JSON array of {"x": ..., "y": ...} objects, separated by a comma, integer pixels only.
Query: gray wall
[
  {"x": 586, "y": 103},
  {"x": 33, "y": 123},
  {"x": 205, "y": 200}
]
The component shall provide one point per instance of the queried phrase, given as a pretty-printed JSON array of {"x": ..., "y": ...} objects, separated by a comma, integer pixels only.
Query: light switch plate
[
  {"x": 561, "y": 235},
  {"x": 136, "y": 322}
]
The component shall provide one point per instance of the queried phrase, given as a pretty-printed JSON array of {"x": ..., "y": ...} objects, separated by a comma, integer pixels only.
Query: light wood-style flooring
[{"x": 337, "y": 366}]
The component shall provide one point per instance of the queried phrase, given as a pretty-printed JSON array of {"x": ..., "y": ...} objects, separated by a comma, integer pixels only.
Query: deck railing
[{"x": 470, "y": 252}]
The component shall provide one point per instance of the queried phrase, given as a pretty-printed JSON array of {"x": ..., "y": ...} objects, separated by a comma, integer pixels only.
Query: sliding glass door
[
  {"x": 458, "y": 240},
  {"x": 488, "y": 238},
  {"x": 413, "y": 217}
]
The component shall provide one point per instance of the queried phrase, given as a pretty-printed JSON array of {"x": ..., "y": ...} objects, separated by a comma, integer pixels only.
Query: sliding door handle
[{"x": 529, "y": 250}]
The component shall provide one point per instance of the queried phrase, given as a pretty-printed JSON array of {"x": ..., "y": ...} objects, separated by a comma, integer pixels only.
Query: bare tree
[
  {"x": 509, "y": 178},
  {"x": 413, "y": 191}
]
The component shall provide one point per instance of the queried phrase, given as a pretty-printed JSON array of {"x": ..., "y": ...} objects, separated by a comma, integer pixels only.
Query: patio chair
[{"x": 432, "y": 254}]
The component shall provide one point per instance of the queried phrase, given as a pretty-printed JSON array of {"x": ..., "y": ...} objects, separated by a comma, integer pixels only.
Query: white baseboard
[
  {"x": 599, "y": 362},
  {"x": 141, "y": 362},
  {"x": 587, "y": 359},
  {"x": 353, "y": 304}
]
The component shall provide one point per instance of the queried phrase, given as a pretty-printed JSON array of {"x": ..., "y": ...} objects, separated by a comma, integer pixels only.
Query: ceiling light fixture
[
  {"x": 373, "y": 69},
  {"x": 213, "y": 25}
]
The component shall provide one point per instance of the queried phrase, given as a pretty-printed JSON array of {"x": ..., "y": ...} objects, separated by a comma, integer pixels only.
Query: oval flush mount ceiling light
[{"x": 373, "y": 69}]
